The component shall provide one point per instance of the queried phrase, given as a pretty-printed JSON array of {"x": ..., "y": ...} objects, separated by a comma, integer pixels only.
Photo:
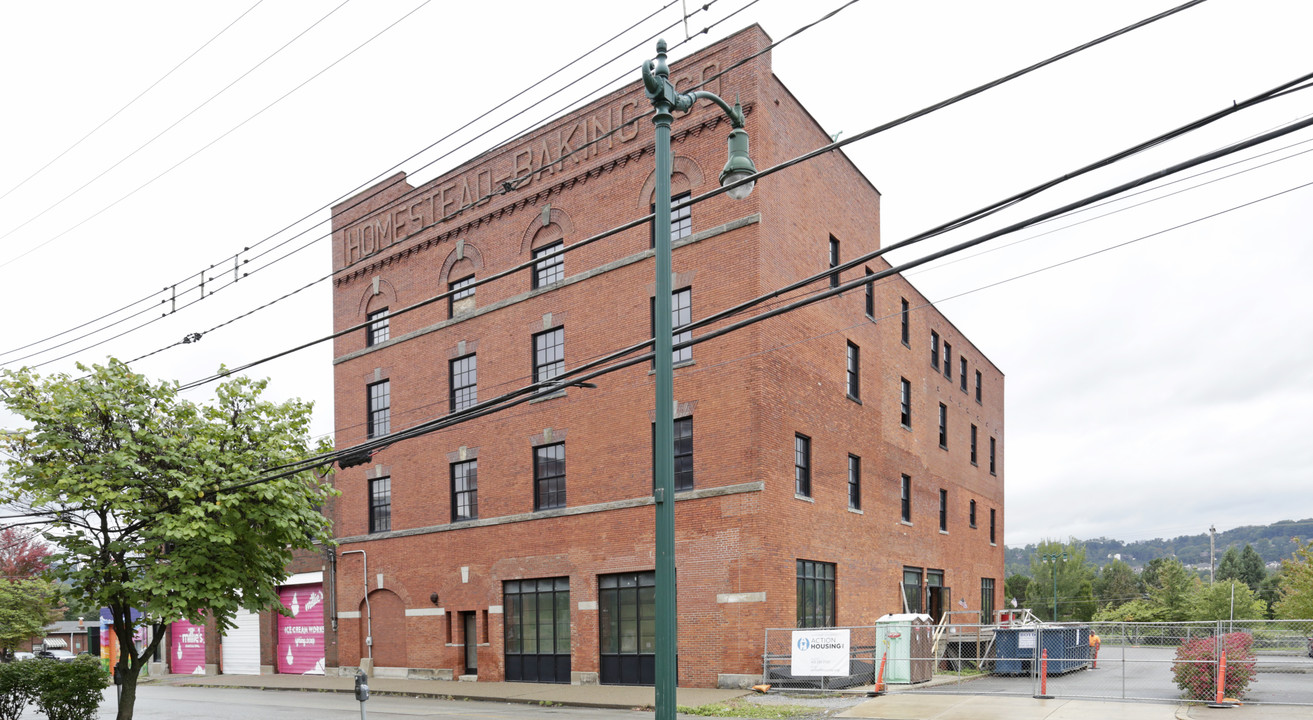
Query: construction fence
[{"x": 1267, "y": 662}]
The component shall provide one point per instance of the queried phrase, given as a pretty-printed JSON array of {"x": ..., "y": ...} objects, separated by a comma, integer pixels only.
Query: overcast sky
[{"x": 1152, "y": 390}]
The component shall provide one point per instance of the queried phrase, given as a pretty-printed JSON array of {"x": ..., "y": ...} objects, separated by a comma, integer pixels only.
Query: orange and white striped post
[
  {"x": 1221, "y": 679},
  {"x": 1044, "y": 675}
]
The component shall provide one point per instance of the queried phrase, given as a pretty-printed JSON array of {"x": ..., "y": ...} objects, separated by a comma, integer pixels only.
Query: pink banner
[
  {"x": 301, "y": 636},
  {"x": 187, "y": 648}
]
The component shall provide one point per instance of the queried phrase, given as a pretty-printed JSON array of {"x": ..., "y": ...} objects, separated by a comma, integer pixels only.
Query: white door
[{"x": 241, "y": 646}]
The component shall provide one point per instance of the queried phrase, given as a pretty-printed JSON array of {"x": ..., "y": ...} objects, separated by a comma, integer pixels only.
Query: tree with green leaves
[
  {"x": 1075, "y": 591},
  {"x": 1296, "y": 585},
  {"x": 157, "y": 504},
  {"x": 1014, "y": 587},
  {"x": 1225, "y": 600},
  {"x": 1116, "y": 584},
  {"x": 26, "y": 607},
  {"x": 1173, "y": 589},
  {"x": 1243, "y": 565}
]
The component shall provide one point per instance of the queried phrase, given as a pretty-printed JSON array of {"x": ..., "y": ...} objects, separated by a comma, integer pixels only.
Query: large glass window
[
  {"x": 550, "y": 270},
  {"x": 802, "y": 465},
  {"x": 681, "y": 218},
  {"x": 537, "y": 630},
  {"x": 464, "y": 374},
  {"x": 549, "y": 476},
  {"x": 626, "y": 606},
  {"x": 681, "y": 313},
  {"x": 379, "y": 419},
  {"x": 380, "y": 505},
  {"x": 548, "y": 354},
  {"x": 986, "y": 600},
  {"x": 465, "y": 490},
  {"x": 815, "y": 594},
  {"x": 377, "y": 331}
]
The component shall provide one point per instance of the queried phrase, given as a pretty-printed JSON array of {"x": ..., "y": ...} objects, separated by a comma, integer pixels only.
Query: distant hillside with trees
[{"x": 1273, "y": 543}]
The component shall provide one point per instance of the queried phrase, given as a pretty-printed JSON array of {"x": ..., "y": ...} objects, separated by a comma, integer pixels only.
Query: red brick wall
[{"x": 748, "y": 393}]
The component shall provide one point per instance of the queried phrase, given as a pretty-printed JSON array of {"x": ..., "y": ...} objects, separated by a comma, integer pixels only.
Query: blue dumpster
[{"x": 1017, "y": 649}]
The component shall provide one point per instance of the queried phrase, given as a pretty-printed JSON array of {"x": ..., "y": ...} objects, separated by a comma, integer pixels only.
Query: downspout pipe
[{"x": 369, "y": 617}]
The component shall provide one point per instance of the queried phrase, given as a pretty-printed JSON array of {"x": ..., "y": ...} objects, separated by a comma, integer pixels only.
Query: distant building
[{"x": 833, "y": 464}]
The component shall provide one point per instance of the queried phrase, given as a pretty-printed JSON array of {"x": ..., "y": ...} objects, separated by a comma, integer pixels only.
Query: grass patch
[{"x": 741, "y": 709}]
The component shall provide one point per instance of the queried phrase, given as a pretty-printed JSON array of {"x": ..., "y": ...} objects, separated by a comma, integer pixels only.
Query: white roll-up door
[{"x": 241, "y": 646}]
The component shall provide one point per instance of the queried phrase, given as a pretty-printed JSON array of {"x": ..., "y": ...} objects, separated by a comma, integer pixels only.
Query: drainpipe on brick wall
[{"x": 369, "y": 618}]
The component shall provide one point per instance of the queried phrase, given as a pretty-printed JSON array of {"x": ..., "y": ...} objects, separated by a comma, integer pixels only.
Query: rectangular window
[
  {"x": 461, "y": 299},
  {"x": 854, "y": 372},
  {"x": 962, "y": 374},
  {"x": 548, "y": 354},
  {"x": 464, "y": 377},
  {"x": 912, "y": 589},
  {"x": 991, "y": 457},
  {"x": 537, "y": 630},
  {"x": 905, "y": 402},
  {"x": 802, "y": 465},
  {"x": 380, "y": 409},
  {"x": 943, "y": 426},
  {"x": 552, "y": 269},
  {"x": 465, "y": 490},
  {"x": 854, "y": 482},
  {"x": 934, "y": 349},
  {"x": 549, "y": 476},
  {"x": 948, "y": 361},
  {"x": 870, "y": 295},
  {"x": 906, "y": 333},
  {"x": 977, "y": 386},
  {"x": 683, "y": 436},
  {"x": 681, "y": 220},
  {"x": 815, "y": 594},
  {"x": 986, "y": 600},
  {"x": 992, "y": 540},
  {"x": 834, "y": 261},
  {"x": 943, "y": 510},
  {"x": 906, "y": 501},
  {"x": 681, "y": 313},
  {"x": 626, "y": 605},
  {"x": 971, "y": 517},
  {"x": 973, "y": 444},
  {"x": 380, "y": 505},
  {"x": 377, "y": 331}
]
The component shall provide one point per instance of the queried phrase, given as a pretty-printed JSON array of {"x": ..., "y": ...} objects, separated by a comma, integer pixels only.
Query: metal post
[{"x": 666, "y": 629}]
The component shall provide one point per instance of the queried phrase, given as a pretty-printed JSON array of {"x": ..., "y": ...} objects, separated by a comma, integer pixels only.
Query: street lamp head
[{"x": 739, "y": 165}]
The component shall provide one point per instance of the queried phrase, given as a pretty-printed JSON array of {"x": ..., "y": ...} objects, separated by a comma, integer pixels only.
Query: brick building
[{"x": 832, "y": 463}]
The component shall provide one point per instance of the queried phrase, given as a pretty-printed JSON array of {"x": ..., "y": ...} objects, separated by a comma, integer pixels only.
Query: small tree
[
  {"x": 26, "y": 607},
  {"x": 1116, "y": 584},
  {"x": 22, "y": 554},
  {"x": 1216, "y": 603},
  {"x": 157, "y": 504},
  {"x": 1297, "y": 585},
  {"x": 1195, "y": 668}
]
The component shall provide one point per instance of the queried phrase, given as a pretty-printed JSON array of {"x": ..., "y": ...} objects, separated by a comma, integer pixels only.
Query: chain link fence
[{"x": 1267, "y": 662}]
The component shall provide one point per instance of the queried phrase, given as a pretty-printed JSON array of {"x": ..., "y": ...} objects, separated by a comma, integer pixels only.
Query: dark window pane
[
  {"x": 379, "y": 418},
  {"x": 380, "y": 504},
  {"x": 549, "y": 476},
  {"x": 377, "y": 331},
  {"x": 550, "y": 270},
  {"x": 802, "y": 480},
  {"x": 464, "y": 382},
  {"x": 465, "y": 490},
  {"x": 548, "y": 354}
]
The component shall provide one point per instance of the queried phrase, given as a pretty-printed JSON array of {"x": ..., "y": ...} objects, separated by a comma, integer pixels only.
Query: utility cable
[
  {"x": 236, "y": 256},
  {"x": 146, "y": 144},
  {"x": 130, "y": 103}
]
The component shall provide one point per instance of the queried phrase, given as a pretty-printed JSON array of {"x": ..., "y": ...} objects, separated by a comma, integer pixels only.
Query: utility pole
[{"x": 1212, "y": 552}]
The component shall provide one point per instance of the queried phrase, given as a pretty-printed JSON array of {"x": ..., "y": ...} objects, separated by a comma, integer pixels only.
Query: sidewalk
[
  {"x": 599, "y": 696},
  {"x": 917, "y": 705}
]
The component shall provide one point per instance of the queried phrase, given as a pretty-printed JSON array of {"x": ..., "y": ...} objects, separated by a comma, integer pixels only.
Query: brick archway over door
[{"x": 388, "y": 614}]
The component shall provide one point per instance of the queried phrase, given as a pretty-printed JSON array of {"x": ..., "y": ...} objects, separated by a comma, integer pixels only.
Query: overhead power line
[
  {"x": 129, "y": 104},
  {"x": 970, "y": 217},
  {"x": 234, "y": 258}
]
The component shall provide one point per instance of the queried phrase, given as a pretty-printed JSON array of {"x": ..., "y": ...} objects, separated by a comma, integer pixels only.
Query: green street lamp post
[
  {"x": 665, "y": 99},
  {"x": 1053, "y": 558}
]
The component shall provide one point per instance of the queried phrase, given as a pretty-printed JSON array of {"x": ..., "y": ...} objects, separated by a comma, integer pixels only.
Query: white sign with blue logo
[{"x": 819, "y": 652}]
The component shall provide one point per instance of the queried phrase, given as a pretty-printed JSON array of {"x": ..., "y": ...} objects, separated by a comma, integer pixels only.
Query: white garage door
[{"x": 241, "y": 646}]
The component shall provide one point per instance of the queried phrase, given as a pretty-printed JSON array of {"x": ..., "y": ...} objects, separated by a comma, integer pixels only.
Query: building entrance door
[{"x": 470, "y": 626}]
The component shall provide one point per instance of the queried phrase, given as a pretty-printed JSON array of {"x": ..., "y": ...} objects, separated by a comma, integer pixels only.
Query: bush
[
  {"x": 16, "y": 687},
  {"x": 1195, "y": 669},
  {"x": 68, "y": 691}
]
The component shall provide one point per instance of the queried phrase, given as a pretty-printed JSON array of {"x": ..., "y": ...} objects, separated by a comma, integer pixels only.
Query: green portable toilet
[{"x": 902, "y": 643}]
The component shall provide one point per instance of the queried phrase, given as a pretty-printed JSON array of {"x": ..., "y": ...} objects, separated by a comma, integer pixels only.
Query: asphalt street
[{"x": 159, "y": 702}]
